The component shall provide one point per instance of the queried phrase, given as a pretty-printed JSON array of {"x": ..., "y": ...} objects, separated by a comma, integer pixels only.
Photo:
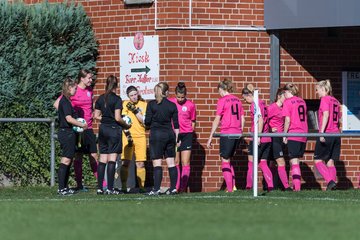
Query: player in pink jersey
[
  {"x": 82, "y": 103},
  {"x": 327, "y": 148},
  {"x": 265, "y": 142},
  {"x": 230, "y": 116},
  {"x": 187, "y": 120},
  {"x": 276, "y": 123},
  {"x": 294, "y": 111}
]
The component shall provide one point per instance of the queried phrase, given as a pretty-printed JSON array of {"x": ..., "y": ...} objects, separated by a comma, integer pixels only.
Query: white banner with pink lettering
[{"x": 139, "y": 64}]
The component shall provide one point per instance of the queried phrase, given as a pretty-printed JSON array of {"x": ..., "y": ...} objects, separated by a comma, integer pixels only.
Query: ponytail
[
  {"x": 161, "y": 90},
  {"x": 68, "y": 82},
  {"x": 292, "y": 88},
  {"x": 248, "y": 90},
  {"x": 226, "y": 85},
  {"x": 111, "y": 84},
  {"x": 326, "y": 85}
]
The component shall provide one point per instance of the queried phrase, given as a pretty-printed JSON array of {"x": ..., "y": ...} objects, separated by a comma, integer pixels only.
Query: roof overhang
[{"x": 292, "y": 14}]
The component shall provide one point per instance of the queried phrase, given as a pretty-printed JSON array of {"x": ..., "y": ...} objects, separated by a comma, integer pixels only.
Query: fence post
[
  {"x": 52, "y": 157},
  {"x": 257, "y": 112}
]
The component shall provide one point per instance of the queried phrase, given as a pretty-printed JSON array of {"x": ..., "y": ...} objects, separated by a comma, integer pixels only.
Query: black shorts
[
  {"x": 263, "y": 150},
  {"x": 296, "y": 149},
  {"x": 277, "y": 148},
  {"x": 228, "y": 147},
  {"x": 88, "y": 142},
  {"x": 162, "y": 143},
  {"x": 66, "y": 137},
  {"x": 330, "y": 149},
  {"x": 110, "y": 139},
  {"x": 186, "y": 141}
]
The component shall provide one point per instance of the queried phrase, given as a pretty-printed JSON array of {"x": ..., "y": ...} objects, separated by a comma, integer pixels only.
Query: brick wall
[{"x": 202, "y": 58}]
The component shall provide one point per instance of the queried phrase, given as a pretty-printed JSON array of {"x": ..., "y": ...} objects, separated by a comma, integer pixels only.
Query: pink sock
[
  {"x": 267, "y": 174},
  {"x": 233, "y": 174},
  {"x": 323, "y": 170},
  {"x": 178, "y": 178},
  {"x": 332, "y": 173},
  {"x": 283, "y": 176},
  {"x": 249, "y": 176},
  {"x": 296, "y": 176},
  {"x": 226, "y": 169},
  {"x": 185, "y": 174},
  {"x": 78, "y": 172}
]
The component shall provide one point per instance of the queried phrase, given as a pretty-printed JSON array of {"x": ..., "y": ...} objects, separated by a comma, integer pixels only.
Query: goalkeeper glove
[{"x": 131, "y": 107}]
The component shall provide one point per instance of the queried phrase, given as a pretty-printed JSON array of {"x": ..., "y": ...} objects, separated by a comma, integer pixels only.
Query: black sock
[
  {"x": 157, "y": 178},
  {"x": 67, "y": 176},
  {"x": 62, "y": 175},
  {"x": 101, "y": 173},
  {"x": 173, "y": 177},
  {"x": 110, "y": 174}
]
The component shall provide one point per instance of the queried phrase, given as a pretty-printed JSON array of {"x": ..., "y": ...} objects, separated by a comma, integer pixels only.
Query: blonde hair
[
  {"x": 292, "y": 88},
  {"x": 161, "y": 91},
  {"x": 248, "y": 89},
  {"x": 326, "y": 85},
  {"x": 226, "y": 85},
  {"x": 68, "y": 82}
]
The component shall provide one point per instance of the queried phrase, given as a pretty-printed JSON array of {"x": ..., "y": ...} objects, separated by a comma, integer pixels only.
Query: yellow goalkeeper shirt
[{"x": 137, "y": 128}]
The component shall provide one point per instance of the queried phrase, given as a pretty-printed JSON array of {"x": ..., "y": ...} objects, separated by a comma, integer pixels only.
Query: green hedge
[{"x": 40, "y": 45}]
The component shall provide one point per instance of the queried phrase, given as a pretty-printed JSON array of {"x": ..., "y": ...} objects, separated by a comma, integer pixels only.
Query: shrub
[{"x": 40, "y": 45}]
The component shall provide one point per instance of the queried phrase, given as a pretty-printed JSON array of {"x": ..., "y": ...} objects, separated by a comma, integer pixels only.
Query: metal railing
[
  {"x": 238, "y": 136},
  {"x": 52, "y": 139},
  {"x": 234, "y": 136},
  {"x": 255, "y": 144},
  {"x": 255, "y": 136}
]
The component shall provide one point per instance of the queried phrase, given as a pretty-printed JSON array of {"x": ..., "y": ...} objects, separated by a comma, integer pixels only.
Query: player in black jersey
[
  {"x": 161, "y": 114},
  {"x": 108, "y": 109},
  {"x": 66, "y": 135}
]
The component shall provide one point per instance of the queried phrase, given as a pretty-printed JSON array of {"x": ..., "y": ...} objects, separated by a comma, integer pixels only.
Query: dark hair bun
[
  {"x": 180, "y": 88},
  {"x": 181, "y": 85}
]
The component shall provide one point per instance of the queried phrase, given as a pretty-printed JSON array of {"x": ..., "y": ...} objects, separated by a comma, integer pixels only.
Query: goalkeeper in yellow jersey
[{"x": 134, "y": 140}]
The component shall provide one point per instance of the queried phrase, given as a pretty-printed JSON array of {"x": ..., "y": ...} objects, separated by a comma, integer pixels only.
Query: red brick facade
[{"x": 203, "y": 57}]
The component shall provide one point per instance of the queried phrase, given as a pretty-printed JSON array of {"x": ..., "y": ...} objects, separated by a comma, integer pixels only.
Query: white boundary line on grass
[{"x": 145, "y": 198}]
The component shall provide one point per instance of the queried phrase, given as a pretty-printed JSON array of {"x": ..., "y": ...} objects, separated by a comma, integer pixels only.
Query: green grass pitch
[{"x": 39, "y": 213}]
